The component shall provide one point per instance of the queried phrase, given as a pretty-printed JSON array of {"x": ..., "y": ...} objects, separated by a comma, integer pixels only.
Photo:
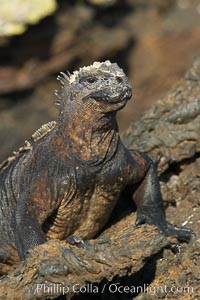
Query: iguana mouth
[{"x": 117, "y": 96}]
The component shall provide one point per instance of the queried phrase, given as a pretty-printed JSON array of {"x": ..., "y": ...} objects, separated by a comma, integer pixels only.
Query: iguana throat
[{"x": 87, "y": 139}]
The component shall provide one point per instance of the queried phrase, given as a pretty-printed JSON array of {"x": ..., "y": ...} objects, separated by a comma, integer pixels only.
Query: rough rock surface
[
  {"x": 169, "y": 131},
  {"x": 139, "y": 257},
  {"x": 100, "y": 261}
]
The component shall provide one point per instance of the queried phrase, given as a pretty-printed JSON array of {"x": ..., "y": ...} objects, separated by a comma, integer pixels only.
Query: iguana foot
[
  {"x": 181, "y": 233},
  {"x": 166, "y": 228},
  {"x": 75, "y": 241}
]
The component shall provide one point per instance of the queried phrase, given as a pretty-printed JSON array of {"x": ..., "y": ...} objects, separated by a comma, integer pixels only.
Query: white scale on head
[{"x": 96, "y": 65}]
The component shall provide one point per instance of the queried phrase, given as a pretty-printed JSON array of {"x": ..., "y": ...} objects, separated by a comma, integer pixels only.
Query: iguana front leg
[
  {"x": 149, "y": 202},
  {"x": 26, "y": 228},
  {"x": 34, "y": 207}
]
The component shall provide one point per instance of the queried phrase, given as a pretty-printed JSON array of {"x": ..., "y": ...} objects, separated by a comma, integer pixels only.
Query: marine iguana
[{"x": 68, "y": 177}]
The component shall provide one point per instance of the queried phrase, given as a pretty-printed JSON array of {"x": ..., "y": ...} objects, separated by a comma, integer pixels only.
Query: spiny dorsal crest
[
  {"x": 26, "y": 147},
  {"x": 68, "y": 79},
  {"x": 37, "y": 135},
  {"x": 43, "y": 130}
]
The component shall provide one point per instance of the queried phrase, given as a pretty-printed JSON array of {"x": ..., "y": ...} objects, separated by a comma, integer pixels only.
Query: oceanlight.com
[{"x": 113, "y": 288}]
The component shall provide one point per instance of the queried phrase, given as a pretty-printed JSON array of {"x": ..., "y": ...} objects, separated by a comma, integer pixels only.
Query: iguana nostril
[{"x": 129, "y": 93}]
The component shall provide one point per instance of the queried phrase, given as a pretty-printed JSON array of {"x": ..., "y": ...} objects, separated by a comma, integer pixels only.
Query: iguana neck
[{"x": 91, "y": 140}]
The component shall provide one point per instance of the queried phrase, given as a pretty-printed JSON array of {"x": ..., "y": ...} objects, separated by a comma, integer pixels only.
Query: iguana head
[{"x": 101, "y": 88}]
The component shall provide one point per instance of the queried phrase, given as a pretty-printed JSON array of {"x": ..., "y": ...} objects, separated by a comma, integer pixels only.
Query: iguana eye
[{"x": 91, "y": 79}]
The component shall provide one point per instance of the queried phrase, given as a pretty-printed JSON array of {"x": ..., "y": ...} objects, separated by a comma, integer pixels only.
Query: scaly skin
[{"x": 68, "y": 180}]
